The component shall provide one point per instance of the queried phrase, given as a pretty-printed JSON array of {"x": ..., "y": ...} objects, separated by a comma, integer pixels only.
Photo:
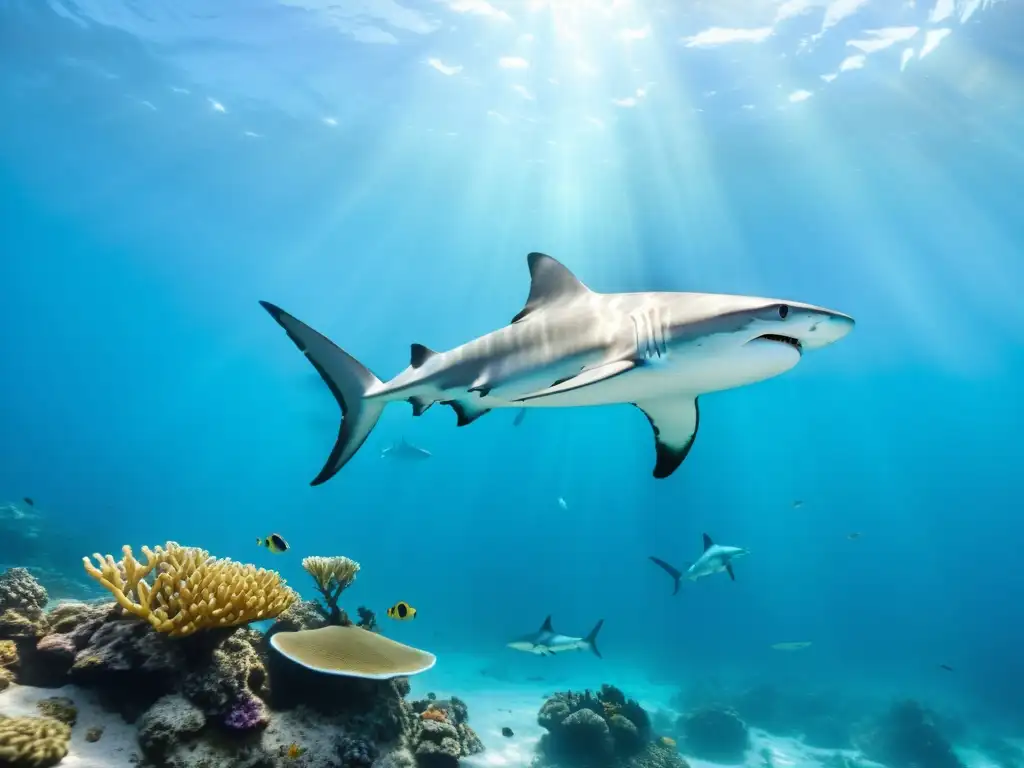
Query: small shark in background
[
  {"x": 571, "y": 346},
  {"x": 403, "y": 450},
  {"x": 546, "y": 642},
  {"x": 714, "y": 559},
  {"x": 520, "y": 415}
]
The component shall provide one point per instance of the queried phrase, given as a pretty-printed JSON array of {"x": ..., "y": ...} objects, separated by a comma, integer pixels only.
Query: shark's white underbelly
[{"x": 681, "y": 374}]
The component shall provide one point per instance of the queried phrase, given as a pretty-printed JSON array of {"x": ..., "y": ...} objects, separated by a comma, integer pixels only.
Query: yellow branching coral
[
  {"x": 332, "y": 575},
  {"x": 32, "y": 742},
  {"x": 191, "y": 590}
]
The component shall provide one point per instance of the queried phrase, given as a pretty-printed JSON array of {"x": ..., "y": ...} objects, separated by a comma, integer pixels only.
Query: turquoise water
[{"x": 381, "y": 171}]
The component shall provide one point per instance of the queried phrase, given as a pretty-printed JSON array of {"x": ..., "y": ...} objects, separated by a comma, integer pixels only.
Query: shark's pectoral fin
[
  {"x": 675, "y": 422},
  {"x": 728, "y": 568},
  {"x": 583, "y": 379},
  {"x": 467, "y": 411},
  {"x": 550, "y": 282}
]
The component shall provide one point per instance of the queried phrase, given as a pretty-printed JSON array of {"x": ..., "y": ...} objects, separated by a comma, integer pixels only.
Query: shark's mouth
[{"x": 782, "y": 340}]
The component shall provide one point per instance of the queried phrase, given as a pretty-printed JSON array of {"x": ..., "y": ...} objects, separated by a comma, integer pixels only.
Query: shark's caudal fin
[
  {"x": 591, "y": 639},
  {"x": 675, "y": 573},
  {"x": 347, "y": 379}
]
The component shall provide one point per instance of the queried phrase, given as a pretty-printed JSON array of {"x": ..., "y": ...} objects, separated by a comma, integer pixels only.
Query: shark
[
  {"x": 572, "y": 346},
  {"x": 546, "y": 642},
  {"x": 714, "y": 559},
  {"x": 403, "y": 450}
]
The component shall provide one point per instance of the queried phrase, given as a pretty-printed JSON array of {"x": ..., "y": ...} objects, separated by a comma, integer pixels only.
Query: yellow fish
[
  {"x": 274, "y": 543},
  {"x": 401, "y": 611},
  {"x": 294, "y": 751}
]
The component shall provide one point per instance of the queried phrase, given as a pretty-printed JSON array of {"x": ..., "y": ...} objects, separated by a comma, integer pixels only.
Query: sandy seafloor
[{"x": 495, "y": 701}]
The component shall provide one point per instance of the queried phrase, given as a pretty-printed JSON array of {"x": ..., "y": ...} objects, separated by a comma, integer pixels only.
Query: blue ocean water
[{"x": 381, "y": 170}]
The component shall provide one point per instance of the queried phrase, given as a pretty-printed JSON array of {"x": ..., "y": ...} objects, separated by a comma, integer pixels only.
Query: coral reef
[
  {"x": 191, "y": 590},
  {"x": 32, "y": 742},
  {"x": 332, "y": 576},
  {"x": 714, "y": 733},
  {"x": 203, "y": 691},
  {"x": 20, "y": 592},
  {"x": 907, "y": 735},
  {"x": 441, "y": 734},
  {"x": 367, "y": 619},
  {"x": 59, "y": 708},
  {"x": 604, "y": 730}
]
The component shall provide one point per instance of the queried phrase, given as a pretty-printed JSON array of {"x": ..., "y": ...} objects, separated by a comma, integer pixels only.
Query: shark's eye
[{"x": 783, "y": 311}]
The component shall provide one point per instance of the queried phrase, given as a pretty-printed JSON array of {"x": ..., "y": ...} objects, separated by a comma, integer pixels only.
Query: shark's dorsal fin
[
  {"x": 675, "y": 421},
  {"x": 550, "y": 282},
  {"x": 419, "y": 354},
  {"x": 708, "y": 543},
  {"x": 546, "y": 626}
]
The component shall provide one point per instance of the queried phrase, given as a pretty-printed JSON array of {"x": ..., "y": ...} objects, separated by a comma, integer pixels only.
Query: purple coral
[{"x": 246, "y": 713}]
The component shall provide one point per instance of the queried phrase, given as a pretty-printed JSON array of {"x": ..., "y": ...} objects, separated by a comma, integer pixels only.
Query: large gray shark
[
  {"x": 403, "y": 450},
  {"x": 714, "y": 559},
  {"x": 546, "y": 642},
  {"x": 571, "y": 346}
]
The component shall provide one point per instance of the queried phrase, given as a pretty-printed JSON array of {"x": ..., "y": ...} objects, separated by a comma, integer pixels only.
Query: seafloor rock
[
  {"x": 826, "y": 732},
  {"x": 440, "y": 734},
  {"x": 228, "y": 680},
  {"x": 603, "y": 730},
  {"x": 172, "y": 719},
  {"x": 907, "y": 735},
  {"x": 714, "y": 733},
  {"x": 20, "y": 592}
]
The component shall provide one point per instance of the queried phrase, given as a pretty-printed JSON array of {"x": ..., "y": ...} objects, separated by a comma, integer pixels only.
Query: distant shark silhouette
[
  {"x": 546, "y": 642},
  {"x": 571, "y": 346},
  {"x": 714, "y": 559},
  {"x": 403, "y": 450}
]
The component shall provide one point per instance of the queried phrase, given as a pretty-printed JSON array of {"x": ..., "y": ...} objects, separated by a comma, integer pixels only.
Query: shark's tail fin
[
  {"x": 591, "y": 639},
  {"x": 347, "y": 379},
  {"x": 675, "y": 573}
]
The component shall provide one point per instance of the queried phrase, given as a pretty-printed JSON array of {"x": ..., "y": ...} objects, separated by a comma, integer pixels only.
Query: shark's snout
[{"x": 803, "y": 326}]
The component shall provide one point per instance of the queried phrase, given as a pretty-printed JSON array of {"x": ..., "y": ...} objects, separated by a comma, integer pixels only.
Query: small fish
[
  {"x": 946, "y": 667},
  {"x": 507, "y": 732},
  {"x": 791, "y": 646},
  {"x": 563, "y": 504},
  {"x": 28, "y": 500},
  {"x": 274, "y": 543},
  {"x": 520, "y": 415},
  {"x": 853, "y": 536},
  {"x": 294, "y": 751},
  {"x": 401, "y": 611},
  {"x": 798, "y": 503}
]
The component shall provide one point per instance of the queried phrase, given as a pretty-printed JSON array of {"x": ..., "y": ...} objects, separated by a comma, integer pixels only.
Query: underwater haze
[{"x": 380, "y": 169}]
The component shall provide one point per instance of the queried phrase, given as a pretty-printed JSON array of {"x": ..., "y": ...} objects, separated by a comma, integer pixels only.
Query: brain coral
[
  {"x": 191, "y": 590},
  {"x": 32, "y": 742}
]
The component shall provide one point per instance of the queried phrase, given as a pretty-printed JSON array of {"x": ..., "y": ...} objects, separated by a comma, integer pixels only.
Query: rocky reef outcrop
[
  {"x": 714, "y": 733},
  {"x": 908, "y": 734},
  {"x": 601, "y": 730}
]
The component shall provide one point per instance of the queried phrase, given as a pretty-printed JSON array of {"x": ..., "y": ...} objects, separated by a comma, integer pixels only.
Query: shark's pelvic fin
[
  {"x": 467, "y": 411},
  {"x": 675, "y": 422},
  {"x": 670, "y": 570},
  {"x": 728, "y": 568},
  {"x": 582, "y": 379},
  {"x": 708, "y": 543},
  {"x": 420, "y": 405},
  {"x": 348, "y": 381},
  {"x": 419, "y": 354},
  {"x": 550, "y": 282}
]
